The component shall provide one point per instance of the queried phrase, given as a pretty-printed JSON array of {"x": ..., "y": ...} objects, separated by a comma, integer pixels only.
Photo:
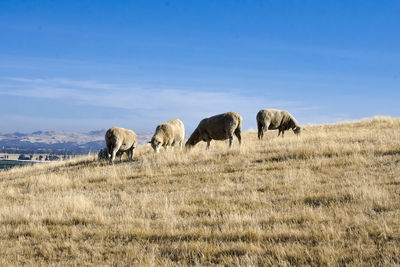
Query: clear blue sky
[{"x": 86, "y": 65}]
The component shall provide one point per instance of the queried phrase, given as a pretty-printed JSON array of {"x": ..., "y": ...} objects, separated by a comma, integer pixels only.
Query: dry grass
[{"x": 328, "y": 197}]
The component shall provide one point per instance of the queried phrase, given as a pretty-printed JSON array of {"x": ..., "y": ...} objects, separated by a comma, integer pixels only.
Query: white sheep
[
  {"x": 167, "y": 134},
  {"x": 218, "y": 127},
  {"x": 119, "y": 140},
  {"x": 272, "y": 119}
]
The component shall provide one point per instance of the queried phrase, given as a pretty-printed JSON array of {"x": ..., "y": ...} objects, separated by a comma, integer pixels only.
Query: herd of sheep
[{"x": 219, "y": 127}]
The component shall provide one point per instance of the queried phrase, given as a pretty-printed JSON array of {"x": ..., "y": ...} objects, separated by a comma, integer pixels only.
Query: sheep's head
[
  {"x": 156, "y": 143},
  {"x": 297, "y": 130},
  {"x": 190, "y": 143},
  {"x": 193, "y": 139}
]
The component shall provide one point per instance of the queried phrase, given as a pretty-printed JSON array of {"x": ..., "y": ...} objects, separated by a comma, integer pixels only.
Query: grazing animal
[
  {"x": 218, "y": 127},
  {"x": 103, "y": 154},
  {"x": 169, "y": 133},
  {"x": 120, "y": 140},
  {"x": 272, "y": 119}
]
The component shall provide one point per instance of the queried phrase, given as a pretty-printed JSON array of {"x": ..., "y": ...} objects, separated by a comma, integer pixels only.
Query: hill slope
[{"x": 330, "y": 196}]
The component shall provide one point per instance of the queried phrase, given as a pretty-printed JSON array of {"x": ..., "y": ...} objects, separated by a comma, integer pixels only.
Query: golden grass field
[{"x": 328, "y": 197}]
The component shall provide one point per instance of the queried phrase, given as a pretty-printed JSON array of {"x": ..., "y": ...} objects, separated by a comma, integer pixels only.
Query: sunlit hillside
[{"x": 330, "y": 196}]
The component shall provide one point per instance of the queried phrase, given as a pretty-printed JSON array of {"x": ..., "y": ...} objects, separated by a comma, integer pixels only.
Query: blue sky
[{"x": 86, "y": 65}]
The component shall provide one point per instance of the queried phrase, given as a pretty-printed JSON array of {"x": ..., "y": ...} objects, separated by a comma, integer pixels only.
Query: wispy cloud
[
  {"x": 128, "y": 96},
  {"x": 152, "y": 105},
  {"x": 62, "y": 82},
  {"x": 51, "y": 88}
]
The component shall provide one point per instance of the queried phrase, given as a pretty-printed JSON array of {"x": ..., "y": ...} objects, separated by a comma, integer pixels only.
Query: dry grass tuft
[{"x": 328, "y": 197}]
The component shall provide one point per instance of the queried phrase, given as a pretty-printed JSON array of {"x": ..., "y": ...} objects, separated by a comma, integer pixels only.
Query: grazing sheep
[
  {"x": 218, "y": 127},
  {"x": 103, "y": 154},
  {"x": 169, "y": 133},
  {"x": 120, "y": 140},
  {"x": 272, "y": 119}
]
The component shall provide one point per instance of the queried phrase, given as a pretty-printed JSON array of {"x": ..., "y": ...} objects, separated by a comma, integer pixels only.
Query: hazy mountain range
[{"x": 57, "y": 142}]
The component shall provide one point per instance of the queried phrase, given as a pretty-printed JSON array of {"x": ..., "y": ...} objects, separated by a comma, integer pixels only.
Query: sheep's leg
[
  {"x": 260, "y": 134},
  {"x": 230, "y": 142},
  {"x": 238, "y": 134},
  {"x": 113, "y": 154},
  {"x": 109, "y": 150},
  {"x": 283, "y": 132},
  {"x": 208, "y": 145},
  {"x": 260, "y": 131},
  {"x": 131, "y": 153},
  {"x": 181, "y": 145}
]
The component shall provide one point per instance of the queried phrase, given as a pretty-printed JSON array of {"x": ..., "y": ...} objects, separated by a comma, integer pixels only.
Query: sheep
[
  {"x": 120, "y": 140},
  {"x": 218, "y": 127},
  {"x": 169, "y": 133},
  {"x": 103, "y": 154},
  {"x": 272, "y": 119}
]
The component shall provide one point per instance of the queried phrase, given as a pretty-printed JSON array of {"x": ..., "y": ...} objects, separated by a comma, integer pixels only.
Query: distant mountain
[{"x": 57, "y": 142}]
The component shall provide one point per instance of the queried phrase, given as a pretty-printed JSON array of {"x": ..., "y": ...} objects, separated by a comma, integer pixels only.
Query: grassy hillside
[{"x": 330, "y": 196}]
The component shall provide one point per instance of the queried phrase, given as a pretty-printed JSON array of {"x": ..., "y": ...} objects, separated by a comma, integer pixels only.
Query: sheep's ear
[{"x": 149, "y": 142}]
